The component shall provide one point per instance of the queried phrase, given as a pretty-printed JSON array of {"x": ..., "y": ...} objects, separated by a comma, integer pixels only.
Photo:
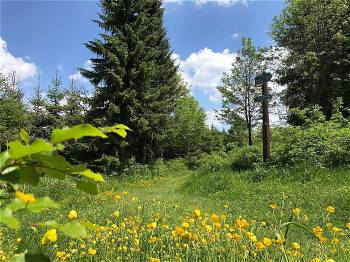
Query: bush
[
  {"x": 107, "y": 165},
  {"x": 245, "y": 158},
  {"x": 320, "y": 144},
  {"x": 213, "y": 162}
]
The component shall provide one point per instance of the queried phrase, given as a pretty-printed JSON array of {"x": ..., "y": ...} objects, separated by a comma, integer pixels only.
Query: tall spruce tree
[{"x": 134, "y": 76}]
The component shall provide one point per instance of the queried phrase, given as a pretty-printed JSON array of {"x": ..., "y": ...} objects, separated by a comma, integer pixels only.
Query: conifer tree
[
  {"x": 13, "y": 112},
  {"x": 134, "y": 75},
  {"x": 76, "y": 104},
  {"x": 39, "y": 118},
  {"x": 55, "y": 107}
]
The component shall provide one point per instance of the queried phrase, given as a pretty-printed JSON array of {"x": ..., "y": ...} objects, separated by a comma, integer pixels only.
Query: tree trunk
[{"x": 250, "y": 139}]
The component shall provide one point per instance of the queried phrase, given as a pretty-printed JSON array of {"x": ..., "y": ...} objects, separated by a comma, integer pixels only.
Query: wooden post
[{"x": 266, "y": 124}]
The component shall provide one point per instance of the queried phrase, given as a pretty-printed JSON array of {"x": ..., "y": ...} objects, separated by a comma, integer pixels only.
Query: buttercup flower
[
  {"x": 296, "y": 211},
  {"x": 50, "y": 236},
  {"x": 27, "y": 198},
  {"x": 72, "y": 215},
  {"x": 330, "y": 210},
  {"x": 295, "y": 246},
  {"x": 92, "y": 251}
]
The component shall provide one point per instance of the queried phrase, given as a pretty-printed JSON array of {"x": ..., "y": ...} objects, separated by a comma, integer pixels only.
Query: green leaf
[
  {"x": 24, "y": 136},
  {"x": 4, "y": 156},
  {"x": 74, "y": 229},
  {"x": 42, "y": 204},
  {"x": 89, "y": 174},
  {"x": 88, "y": 187},
  {"x": 119, "y": 129},
  {"x": 54, "y": 173},
  {"x": 75, "y": 132},
  {"x": 18, "y": 258},
  {"x": 51, "y": 160},
  {"x": 25, "y": 257},
  {"x": 16, "y": 204},
  {"x": 50, "y": 223},
  {"x": 36, "y": 258},
  {"x": 28, "y": 175},
  {"x": 120, "y": 132},
  {"x": 10, "y": 177},
  {"x": 7, "y": 218},
  {"x": 18, "y": 150},
  {"x": 121, "y": 126}
]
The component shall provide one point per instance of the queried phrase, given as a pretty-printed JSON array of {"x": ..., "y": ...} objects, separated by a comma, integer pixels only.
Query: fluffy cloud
[
  {"x": 9, "y": 63},
  {"x": 203, "y": 70},
  {"x": 212, "y": 120},
  {"x": 77, "y": 76}
]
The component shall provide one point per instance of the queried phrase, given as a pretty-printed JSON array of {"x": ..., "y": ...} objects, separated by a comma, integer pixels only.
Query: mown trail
[{"x": 168, "y": 192}]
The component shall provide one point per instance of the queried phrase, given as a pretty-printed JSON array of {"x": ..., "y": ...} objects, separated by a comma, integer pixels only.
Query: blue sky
[{"x": 45, "y": 36}]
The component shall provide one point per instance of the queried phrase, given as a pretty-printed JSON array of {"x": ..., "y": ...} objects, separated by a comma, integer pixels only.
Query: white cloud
[
  {"x": 9, "y": 63},
  {"x": 77, "y": 76},
  {"x": 203, "y": 70},
  {"x": 235, "y": 35},
  {"x": 212, "y": 120}
]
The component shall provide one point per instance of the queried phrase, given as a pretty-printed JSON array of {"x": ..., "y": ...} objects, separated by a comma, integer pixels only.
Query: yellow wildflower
[
  {"x": 215, "y": 218},
  {"x": 72, "y": 215},
  {"x": 117, "y": 197},
  {"x": 217, "y": 226},
  {"x": 295, "y": 246},
  {"x": 185, "y": 225},
  {"x": 152, "y": 240},
  {"x": 259, "y": 245},
  {"x": 208, "y": 228},
  {"x": 274, "y": 206},
  {"x": 296, "y": 211},
  {"x": 60, "y": 254},
  {"x": 152, "y": 225},
  {"x": 241, "y": 223},
  {"x": 197, "y": 213},
  {"x": 27, "y": 198},
  {"x": 50, "y": 236},
  {"x": 317, "y": 230},
  {"x": 336, "y": 230},
  {"x": 152, "y": 259},
  {"x": 266, "y": 241},
  {"x": 92, "y": 251},
  {"x": 116, "y": 214},
  {"x": 330, "y": 210}
]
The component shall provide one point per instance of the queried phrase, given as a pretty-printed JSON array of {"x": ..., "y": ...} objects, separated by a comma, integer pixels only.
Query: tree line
[{"x": 136, "y": 82}]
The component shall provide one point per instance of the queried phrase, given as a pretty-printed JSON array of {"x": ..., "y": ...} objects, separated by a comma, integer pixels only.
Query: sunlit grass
[{"x": 185, "y": 216}]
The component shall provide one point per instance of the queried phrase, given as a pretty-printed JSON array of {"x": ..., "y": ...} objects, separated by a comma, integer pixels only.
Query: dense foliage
[
  {"x": 134, "y": 76},
  {"x": 24, "y": 163},
  {"x": 239, "y": 91},
  {"x": 316, "y": 38}
]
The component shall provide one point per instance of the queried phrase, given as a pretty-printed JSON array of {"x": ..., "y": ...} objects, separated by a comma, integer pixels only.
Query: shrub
[
  {"x": 213, "y": 162},
  {"x": 245, "y": 158}
]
